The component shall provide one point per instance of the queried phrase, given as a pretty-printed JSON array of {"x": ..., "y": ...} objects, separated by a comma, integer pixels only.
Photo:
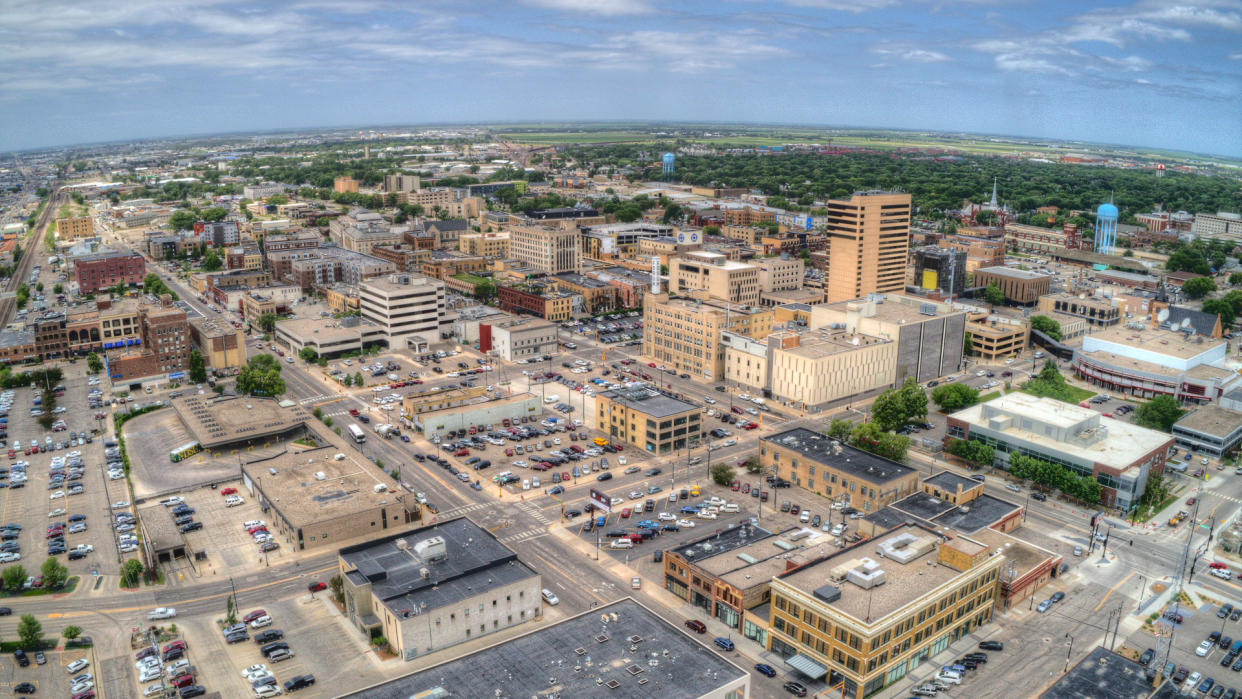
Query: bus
[
  {"x": 184, "y": 451},
  {"x": 356, "y": 432}
]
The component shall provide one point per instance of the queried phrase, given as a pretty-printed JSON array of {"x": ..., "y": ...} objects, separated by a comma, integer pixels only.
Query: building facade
[
  {"x": 94, "y": 273},
  {"x": 1018, "y": 285},
  {"x": 721, "y": 278},
  {"x": 649, "y": 420},
  {"x": 518, "y": 338},
  {"x": 409, "y": 309},
  {"x": 550, "y": 250},
  {"x": 73, "y": 228},
  {"x": 1100, "y": 313},
  {"x": 868, "y": 244},
  {"x": 838, "y": 472},
  {"x": 685, "y": 334}
]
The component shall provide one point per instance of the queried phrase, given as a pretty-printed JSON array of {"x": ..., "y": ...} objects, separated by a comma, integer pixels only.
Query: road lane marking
[{"x": 1113, "y": 588}]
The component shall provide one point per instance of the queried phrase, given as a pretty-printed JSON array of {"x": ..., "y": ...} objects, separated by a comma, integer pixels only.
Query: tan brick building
[
  {"x": 649, "y": 420},
  {"x": 491, "y": 245},
  {"x": 343, "y": 185},
  {"x": 685, "y": 333},
  {"x": 74, "y": 228},
  {"x": 1019, "y": 285},
  {"x": 721, "y": 278},
  {"x": 550, "y": 250},
  {"x": 868, "y": 244}
]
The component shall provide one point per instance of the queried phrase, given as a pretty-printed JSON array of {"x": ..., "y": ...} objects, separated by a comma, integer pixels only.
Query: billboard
[
  {"x": 930, "y": 278},
  {"x": 602, "y": 502}
]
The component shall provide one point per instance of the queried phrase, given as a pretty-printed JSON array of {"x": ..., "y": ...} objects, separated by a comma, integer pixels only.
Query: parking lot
[
  {"x": 75, "y": 503},
  {"x": 149, "y": 439},
  {"x": 620, "y": 329},
  {"x": 1197, "y": 626},
  {"x": 50, "y": 678},
  {"x": 229, "y": 547},
  {"x": 338, "y": 658}
]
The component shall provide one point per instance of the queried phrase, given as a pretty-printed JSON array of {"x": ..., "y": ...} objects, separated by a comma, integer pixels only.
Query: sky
[{"x": 1156, "y": 73}]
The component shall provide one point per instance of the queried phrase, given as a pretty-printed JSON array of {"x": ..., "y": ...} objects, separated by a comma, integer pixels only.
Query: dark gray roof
[
  {"x": 856, "y": 462},
  {"x": 1202, "y": 323},
  {"x": 1102, "y": 675},
  {"x": 649, "y": 401},
  {"x": 886, "y": 518},
  {"x": 452, "y": 224},
  {"x": 949, "y": 481},
  {"x": 582, "y": 656},
  {"x": 923, "y": 506},
  {"x": 721, "y": 542},
  {"x": 980, "y": 513},
  {"x": 474, "y": 561}
]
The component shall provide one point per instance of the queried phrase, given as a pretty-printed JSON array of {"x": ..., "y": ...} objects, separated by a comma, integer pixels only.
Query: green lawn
[
  {"x": 989, "y": 396},
  {"x": 1078, "y": 394}
]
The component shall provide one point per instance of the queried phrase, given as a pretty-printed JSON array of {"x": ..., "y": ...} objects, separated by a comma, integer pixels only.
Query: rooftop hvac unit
[
  {"x": 431, "y": 548},
  {"x": 320, "y": 476},
  {"x": 380, "y": 487}
]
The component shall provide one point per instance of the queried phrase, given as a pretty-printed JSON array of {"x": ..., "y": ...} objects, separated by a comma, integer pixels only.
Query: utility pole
[{"x": 1167, "y": 641}]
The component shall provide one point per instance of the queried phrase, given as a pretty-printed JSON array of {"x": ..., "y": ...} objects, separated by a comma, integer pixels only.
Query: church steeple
[{"x": 992, "y": 203}]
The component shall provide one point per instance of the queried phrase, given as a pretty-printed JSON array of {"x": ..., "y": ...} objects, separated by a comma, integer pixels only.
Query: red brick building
[
  {"x": 165, "y": 347},
  {"x": 94, "y": 273}
]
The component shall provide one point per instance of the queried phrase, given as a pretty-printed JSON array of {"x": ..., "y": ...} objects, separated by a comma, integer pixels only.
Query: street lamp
[{"x": 1068, "y": 652}]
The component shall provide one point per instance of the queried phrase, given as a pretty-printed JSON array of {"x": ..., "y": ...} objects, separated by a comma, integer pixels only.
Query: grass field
[{"x": 1079, "y": 394}]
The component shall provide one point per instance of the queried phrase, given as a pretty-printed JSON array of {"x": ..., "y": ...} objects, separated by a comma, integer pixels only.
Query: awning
[{"x": 806, "y": 666}]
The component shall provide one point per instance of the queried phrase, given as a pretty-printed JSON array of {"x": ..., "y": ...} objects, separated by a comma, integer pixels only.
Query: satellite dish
[
  {"x": 1163, "y": 315},
  {"x": 1185, "y": 323}
]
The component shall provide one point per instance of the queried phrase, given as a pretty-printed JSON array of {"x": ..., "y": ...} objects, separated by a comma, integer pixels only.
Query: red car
[
  {"x": 183, "y": 681},
  {"x": 1191, "y": 501},
  {"x": 745, "y": 487},
  {"x": 256, "y": 529},
  {"x": 651, "y": 365},
  {"x": 353, "y": 411},
  {"x": 508, "y": 452},
  {"x": 254, "y": 615},
  {"x": 228, "y": 491},
  {"x": 317, "y": 586},
  {"x": 565, "y": 475},
  {"x": 737, "y": 410},
  {"x": 736, "y": 486},
  {"x": 625, "y": 514},
  {"x": 1218, "y": 566},
  {"x": 175, "y": 645},
  {"x": 462, "y": 452}
]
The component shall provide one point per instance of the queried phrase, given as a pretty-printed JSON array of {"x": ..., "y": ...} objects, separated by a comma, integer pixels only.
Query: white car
[
  {"x": 174, "y": 500},
  {"x": 150, "y": 673},
  {"x": 128, "y": 548},
  {"x": 56, "y": 495},
  {"x": 76, "y": 665},
  {"x": 116, "y": 475},
  {"x": 162, "y": 613},
  {"x": 84, "y": 548},
  {"x": 10, "y": 557},
  {"x": 119, "y": 504},
  {"x": 666, "y": 517},
  {"x": 234, "y": 501},
  {"x": 704, "y": 514},
  {"x": 1204, "y": 648},
  {"x": 685, "y": 523},
  {"x": 253, "y": 523},
  {"x": 259, "y": 669},
  {"x": 262, "y": 621},
  {"x": 156, "y": 690},
  {"x": 1222, "y": 574},
  {"x": 174, "y": 669},
  {"x": 56, "y": 512},
  {"x": 268, "y": 690}
]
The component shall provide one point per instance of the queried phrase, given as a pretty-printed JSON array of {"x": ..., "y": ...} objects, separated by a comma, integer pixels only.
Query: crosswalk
[
  {"x": 318, "y": 399},
  {"x": 534, "y": 512},
  {"x": 524, "y": 536},
  {"x": 462, "y": 509}
]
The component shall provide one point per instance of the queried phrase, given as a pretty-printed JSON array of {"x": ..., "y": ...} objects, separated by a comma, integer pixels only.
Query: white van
[
  {"x": 552, "y": 399},
  {"x": 948, "y": 677},
  {"x": 621, "y": 544},
  {"x": 526, "y": 485},
  {"x": 729, "y": 507}
]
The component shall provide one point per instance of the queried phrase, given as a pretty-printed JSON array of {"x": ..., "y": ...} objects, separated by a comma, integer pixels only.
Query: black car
[
  {"x": 263, "y": 682},
  {"x": 991, "y": 645},
  {"x": 269, "y": 635},
  {"x": 977, "y": 657},
  {"x": 20, "y": 656},
  {"x": 299, "y": 682},
  {"x": 237, "y": 637},
  {"x": 1148, "y": 654},
  {"x": 1038, "y": 496},
  {"x": 1057, "y": 597},
  {"x": 271, "y": 647},
  {"x": 795, "y": 689},
  {"x": 194, "y": 690},
  {"x": 5, "y": 611},
  {"x": 191, "y": 527},
  {"x": 1224, "y": 611},
  {"x": 653, "y": 472},
  {"x": 604, "y": 477},
  {"x": 24, "y": 688}
]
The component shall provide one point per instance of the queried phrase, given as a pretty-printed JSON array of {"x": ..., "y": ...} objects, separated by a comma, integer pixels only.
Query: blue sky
[{"x": 1164, "y": 73}]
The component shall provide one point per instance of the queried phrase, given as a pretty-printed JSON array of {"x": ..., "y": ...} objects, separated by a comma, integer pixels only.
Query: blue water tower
[
  {"x": 1105, "y": 228},
  {"x": 667, "y": 170}
]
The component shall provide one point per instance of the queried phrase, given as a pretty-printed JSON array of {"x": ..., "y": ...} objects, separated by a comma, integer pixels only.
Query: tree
[
  {"x": 887, "y": 411},
  {"x": 58, "y": 288},
  {"x": 1222, "y": 308},
  {"x": 308, "y": 354},
  {"x": 968, "y": 345},
  {"x": 1047, "y": 326},
  {"x": 267, "y": 322},
  {"x": 722, "y": 474},
  {"x": 840, "y": 429},
  {"x": 1235, "y": 279},
  {"x": 993, "y": 294},
  {"x": 954, "y": 396},
  {"x": 55, "y": 574},
  {"x": 752, "y": 465},
  {"x": 230, "y": 610},
  {"x": 182, "y": 220},
  {"x": 131, "y": 570},
  {"x": 358, "y": 380},
  {"x": 337, "y": 584},
  {"x": 94, "y": 363},
  {"x": 913, "y": 400},
  {"x": 71, "y": 632},
  {"x": 261, "y": 376},
  {"x": 1199, "y": 287},
  {"x": 30, "y": 632},
  {"x": 278, "y": 199},
  {"x": 214, "y": 213},
  {"x": 868, "y": 437},
  {"x": 198, "y": 368},
  {"x": 211, "y": 261},
  {"x": 1159, "y": 413},
  {"x": 347, "y": 380},
  {"x": 13, "y": 577}
]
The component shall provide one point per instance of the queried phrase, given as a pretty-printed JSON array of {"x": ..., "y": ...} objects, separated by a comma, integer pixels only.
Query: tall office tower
[{"x": 868, "y": 244}]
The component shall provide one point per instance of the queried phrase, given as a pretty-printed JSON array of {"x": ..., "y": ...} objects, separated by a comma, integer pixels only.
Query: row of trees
[
  {"x": 1228, "y": 307},
  {"x": 973, "y": 451},
  {"x": 152, "y": 284},
  {"x": 954, "y": 396},
  {"x": 869, "y": 437},
  {"x": 1084, "y": 488},
  {"x": 896, "y": 407},
  {"x": 1047, "y": 326},
  {"x": 261, "y": 376},
  {"x": 38, "y": 377}
]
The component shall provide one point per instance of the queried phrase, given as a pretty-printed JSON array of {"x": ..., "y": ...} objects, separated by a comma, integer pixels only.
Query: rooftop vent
[{"x": 867, "y": 576}]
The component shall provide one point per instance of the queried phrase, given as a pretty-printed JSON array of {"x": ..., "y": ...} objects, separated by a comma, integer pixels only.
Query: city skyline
[{"x": 1143, "y": 73}]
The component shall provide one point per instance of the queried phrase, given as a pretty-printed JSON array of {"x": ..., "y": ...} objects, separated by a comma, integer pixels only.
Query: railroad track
[{"x": 30, "y": 251}]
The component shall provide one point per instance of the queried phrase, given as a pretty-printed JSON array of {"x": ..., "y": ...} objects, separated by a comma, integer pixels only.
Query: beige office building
[
  {"x": 490, "y": 245},
  {"x": 548, "y": 250},
  {"x": 868, "y": 243},
  {"x": 783, "y": 273},
  {"x": 811, "y": 369},
  {"x": 401, "y": 183},
  {"x": 720, "y": 277},
  {"x": 684, "y": 334},
  {"x": 429, "y": 199},
  {"x": 74, "y": 228},
  {"x": 408, "y": 308}
]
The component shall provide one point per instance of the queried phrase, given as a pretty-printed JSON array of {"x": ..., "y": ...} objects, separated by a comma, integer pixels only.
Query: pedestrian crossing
[
  {"x": 462, "y": 509},
  {"x": 524, "y": 536},
  {"x": 534, "y": 512},
  {"x": 318, "y": 399}
]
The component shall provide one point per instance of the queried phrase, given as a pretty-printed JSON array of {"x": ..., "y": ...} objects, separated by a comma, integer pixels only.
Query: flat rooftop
[
  {"x": 649, "y": 401},
  {"x": 816, "y": 344},
  {"x": 219, "y": 420},
  {"x": 760, "y": 560},
  {"x": 583, "y": 656},
  {"x": 1012, "y": 272},
  {"x": 949, "y": 481},
  {"x": 1123, "y": 444},
  {"x": 1103, "y": 674},
  {"x": 856, "y": 462},
  {"x": 903, "y": 582},
  {"x": 302, "y": 497},
  {"x": 1211, "y": 420},
  {"x": 473, "y": 561},
  {"x": 159, "y": 527},
  {"x": 1157, "y": 340},
  {"x": 325, "y": 331},
  {"x": 976, "y": 515}
]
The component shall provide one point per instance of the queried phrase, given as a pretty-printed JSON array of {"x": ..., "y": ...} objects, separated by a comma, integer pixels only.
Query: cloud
[
  {"x": 682, "y": 52},
  {"x": 923, "y": 56},
  {"x": 606, "y": 8},
  {"x": 1236, "y": 56}
]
